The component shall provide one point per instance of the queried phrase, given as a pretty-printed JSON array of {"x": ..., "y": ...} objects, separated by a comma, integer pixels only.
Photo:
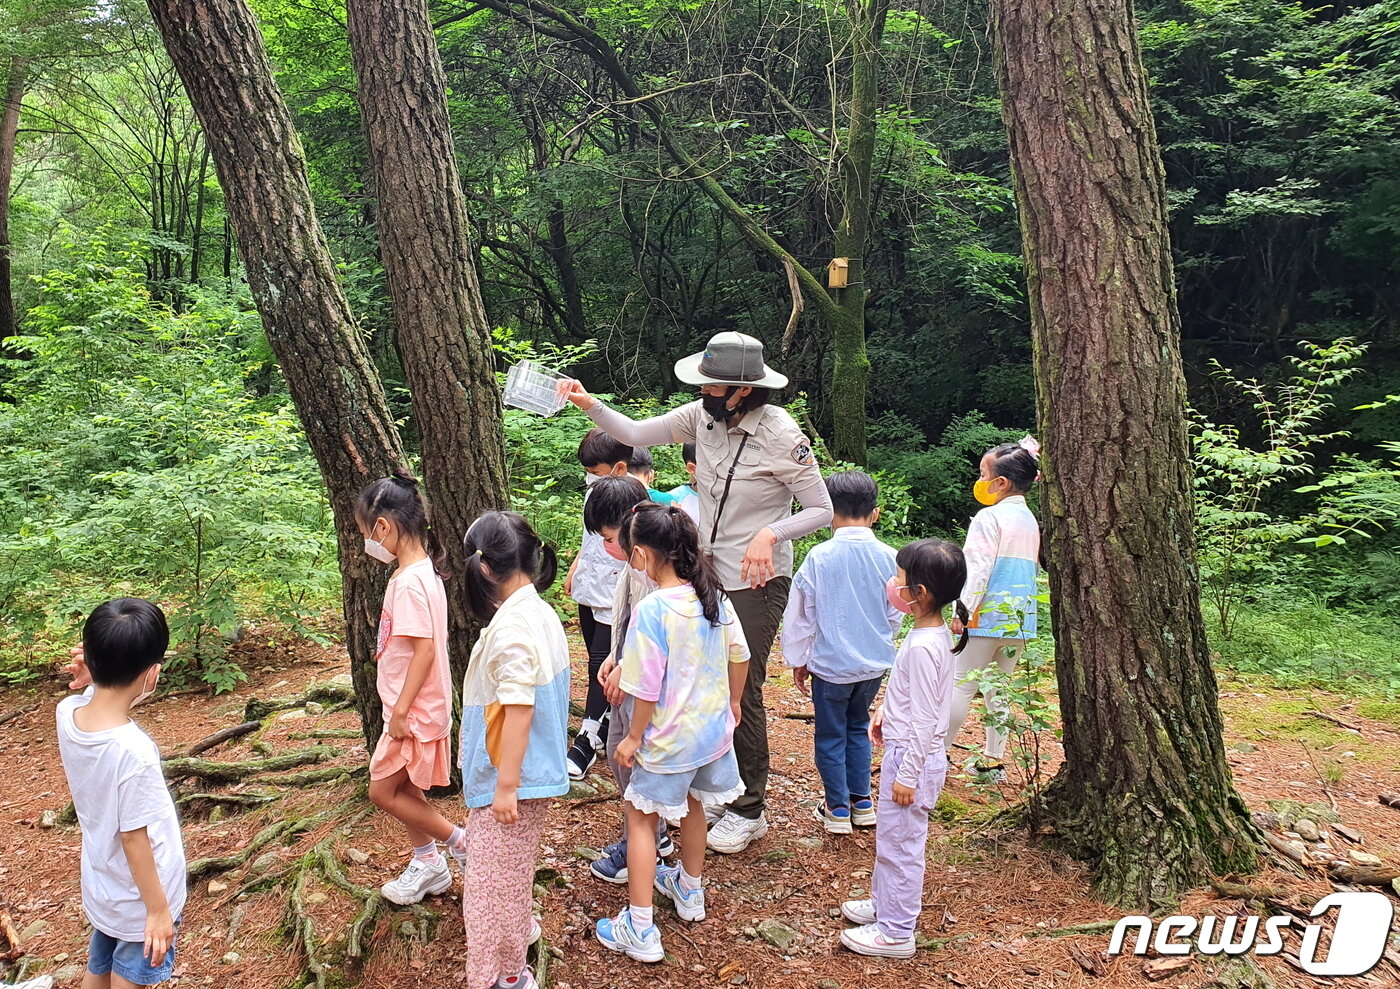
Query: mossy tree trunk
[
  {"x": 218, "y": 51},
  {"x": 442, "y": 332},
  {"x": 1145, "y": 792}
]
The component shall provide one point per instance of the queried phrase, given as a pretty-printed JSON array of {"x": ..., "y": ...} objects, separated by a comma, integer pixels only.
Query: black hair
[
  {"x": 1015, "y": 463},
  {"x": 504, "y": 542},
  {"x": 397, "y": 497},
  {"x": 610, "y": 500},
  {"x": 670, "y": 532},
  {"x": 853, "y": 494},
  {"x": 688, "y": 453},
  {"x": 122, "y": 639},
  {"x": 939, "y": 568},
  {"x": 598, "y": 449},
  {"x": 639, "y": 459}
]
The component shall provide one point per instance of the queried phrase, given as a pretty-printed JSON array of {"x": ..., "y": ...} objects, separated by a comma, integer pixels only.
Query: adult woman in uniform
[{"x": 752, "y": 461}]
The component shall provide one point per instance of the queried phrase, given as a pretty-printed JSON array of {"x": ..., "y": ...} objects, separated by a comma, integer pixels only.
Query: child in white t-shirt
[{"x": 133, "y": 863}]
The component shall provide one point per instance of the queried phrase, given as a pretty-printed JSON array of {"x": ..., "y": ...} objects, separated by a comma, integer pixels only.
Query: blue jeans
[{"x": 842, "y": 737}]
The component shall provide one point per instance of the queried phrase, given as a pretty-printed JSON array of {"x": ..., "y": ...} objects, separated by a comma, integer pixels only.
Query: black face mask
[{"x": 715, "y": 407}]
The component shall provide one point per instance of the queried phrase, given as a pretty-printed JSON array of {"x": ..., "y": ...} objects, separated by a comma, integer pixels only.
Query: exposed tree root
[
  {"x": 233, "y": 772},
  {"x": 220, "y": 737},
  {"x": 314, "y": 776},
  {"x": 322, "y": 693},
  {"x": 301, "y": 736},
  {"x": 20, "y": 712},
  {"x": 228, "y": 799},
  {"x": 1362, "y": 875},
  {"x": 223, "y": 863}
]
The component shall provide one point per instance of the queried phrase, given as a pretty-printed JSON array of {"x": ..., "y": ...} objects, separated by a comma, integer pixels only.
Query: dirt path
[{"x": 992, "y": 894}]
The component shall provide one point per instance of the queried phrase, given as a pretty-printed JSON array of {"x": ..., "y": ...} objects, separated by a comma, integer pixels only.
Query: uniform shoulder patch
[{"x": 802, "y": 455}]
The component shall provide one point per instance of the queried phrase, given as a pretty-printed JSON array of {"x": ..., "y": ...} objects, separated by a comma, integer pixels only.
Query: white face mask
[
  {"x": 147, "y": 693},
  {"x": 590, "y": 479},
  {"x": 376, "y": 549}
]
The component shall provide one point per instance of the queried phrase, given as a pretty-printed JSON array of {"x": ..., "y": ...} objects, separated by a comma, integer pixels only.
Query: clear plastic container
[{"x": 534, "y": 388}]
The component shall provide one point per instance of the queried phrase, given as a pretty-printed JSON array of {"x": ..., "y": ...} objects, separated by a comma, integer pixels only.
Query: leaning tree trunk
[
  {"x": 219, "y": 54},
  {"x": 1145, "y": 792},
  {"x": 9, "y": 135},
  {"x": 443, "y": 336}
]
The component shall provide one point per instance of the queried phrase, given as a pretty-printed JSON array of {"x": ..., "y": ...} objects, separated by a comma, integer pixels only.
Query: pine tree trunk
[
  {"x": 218, "y": 51},
  {"x": 9, "y": 136},
  {"x": 443, "y": 335},
  {"x": 1145, "y": 792},
  {"x": 850, "y": 373}
]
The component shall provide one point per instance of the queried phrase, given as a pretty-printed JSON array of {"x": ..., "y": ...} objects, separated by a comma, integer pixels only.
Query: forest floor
[{"x": 995, "y": 908}]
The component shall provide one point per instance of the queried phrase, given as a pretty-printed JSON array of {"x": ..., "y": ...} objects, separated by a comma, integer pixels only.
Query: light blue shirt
[{"x": 838, "y": 622}]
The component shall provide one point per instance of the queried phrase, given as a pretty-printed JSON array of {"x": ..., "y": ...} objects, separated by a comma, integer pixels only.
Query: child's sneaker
[
  {"x": 42, "y": 982},
  {"x": 689, "y": 905},
  {"x": 836, "y": 821},
  {"x": 420, "y": 879},
  {"x": 612, "y": 866},
  {"x": 618, "y": 934},
  {"x": 581, "y": 755},
  {"x": 859, "y": 911},
  {"x": 868, "y": 940},
  {"x": 525, "y": 980},
  {"x": 989, "y": 772},
  {"x": 536, "y": 932},
  {"x": 863, "y": 812}
]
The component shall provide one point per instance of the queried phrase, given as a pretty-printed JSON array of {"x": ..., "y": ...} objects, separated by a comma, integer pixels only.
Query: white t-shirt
[
  {"x": 595, "y": 577},
  {"x": 117, "y": 786}
]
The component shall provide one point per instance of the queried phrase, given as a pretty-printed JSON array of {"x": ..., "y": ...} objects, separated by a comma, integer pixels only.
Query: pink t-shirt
[{"x": 415, "y": 607}]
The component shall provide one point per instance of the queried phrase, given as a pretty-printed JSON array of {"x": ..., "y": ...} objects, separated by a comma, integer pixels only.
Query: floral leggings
[{"x": 500, "y": 879}]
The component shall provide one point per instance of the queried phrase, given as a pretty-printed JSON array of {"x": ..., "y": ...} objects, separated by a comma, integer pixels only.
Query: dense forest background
[{"x": 147, "y": 442}]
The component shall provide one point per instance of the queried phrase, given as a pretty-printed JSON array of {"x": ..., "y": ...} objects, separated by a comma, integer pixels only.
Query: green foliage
[
  {"x": 135, "y": 461},
  {"x": 1239, "y": 533}
]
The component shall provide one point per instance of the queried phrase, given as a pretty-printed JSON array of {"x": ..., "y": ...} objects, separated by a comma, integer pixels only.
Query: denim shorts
[
  {"x": 714, "y": 784},
  {"x": 128, "y": 959}
]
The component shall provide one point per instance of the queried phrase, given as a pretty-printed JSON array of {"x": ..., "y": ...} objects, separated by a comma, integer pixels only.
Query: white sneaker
[
  {"x": 42, "y": 982},
  {"x": 525, "y": 980},
  {"x": 420, "y": 879},
  {"x": 859, "y": 911},
  {"x": 690, "y": 905},
  {"x": 618, "y": 934},
  {"x": 537, "y": 932},
  {"x": 868, "y": 940},
  {"x": 734, "y": 833}
]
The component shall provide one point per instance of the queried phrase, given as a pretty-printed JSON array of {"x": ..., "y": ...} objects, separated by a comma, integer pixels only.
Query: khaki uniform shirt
[{"x": 775, "y": 463}]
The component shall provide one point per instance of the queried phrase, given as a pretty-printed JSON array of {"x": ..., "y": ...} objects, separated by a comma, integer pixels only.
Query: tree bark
[
  {"x": 9, "y": 136},
  {"x": 1145, "y": 792},
  {"x": 219, "y": 54},
  {"x": 443, "y": 335}
]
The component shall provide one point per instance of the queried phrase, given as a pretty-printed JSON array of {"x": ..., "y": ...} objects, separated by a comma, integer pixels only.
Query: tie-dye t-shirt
[{"x": 676, "y": 658}]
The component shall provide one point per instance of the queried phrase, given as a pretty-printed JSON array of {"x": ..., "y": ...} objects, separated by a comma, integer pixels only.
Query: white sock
[
  {"x": 688, "y": 883},
  {"x": 457, "y": 842},
  {"x": 427, "y": 853},
  {"x": 641, "y": 918},
  {"x": 590, "y": 727}
]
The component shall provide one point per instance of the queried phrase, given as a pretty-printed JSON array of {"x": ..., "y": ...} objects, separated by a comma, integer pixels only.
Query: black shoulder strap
[{"x": 724, "y": 497}]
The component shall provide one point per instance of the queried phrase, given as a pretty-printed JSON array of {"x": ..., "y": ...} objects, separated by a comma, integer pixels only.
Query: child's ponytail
[
  {"x": 504, "y": 542},
  {"x": 960, "y": 610}
]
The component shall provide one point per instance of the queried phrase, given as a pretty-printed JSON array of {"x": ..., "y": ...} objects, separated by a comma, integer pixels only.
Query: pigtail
[
  {"x": 960, "y": 610},
  {"x": 478, "y": 588},
  {"x": 549, "y": 568},
  {"x": 671, "y": 533}
]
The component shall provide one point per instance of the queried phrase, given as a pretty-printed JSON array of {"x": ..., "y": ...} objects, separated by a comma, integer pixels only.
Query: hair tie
[
  {"x": 477, "y": 553},
  {"x": 1030, "y": 445}
]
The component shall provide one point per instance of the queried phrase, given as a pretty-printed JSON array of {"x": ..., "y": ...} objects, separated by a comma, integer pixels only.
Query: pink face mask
[
  {"x": 614, "y": 549},
  {"x": 896, "y": 600}
]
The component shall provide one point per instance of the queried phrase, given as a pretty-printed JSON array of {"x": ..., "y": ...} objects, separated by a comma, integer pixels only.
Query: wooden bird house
[{"x": 837, "y": 272}]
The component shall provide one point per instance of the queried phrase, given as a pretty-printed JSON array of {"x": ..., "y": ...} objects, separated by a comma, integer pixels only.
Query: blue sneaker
[
  {"x": 612, "y": 867},
  {"x": 863, "y": 812},
  {"x": 618, "y": 934},
  {"x": 689, "y": 905}
]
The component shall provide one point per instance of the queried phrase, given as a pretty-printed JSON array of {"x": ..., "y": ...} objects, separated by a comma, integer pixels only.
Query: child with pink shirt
[{"x": 415, "y": 683}]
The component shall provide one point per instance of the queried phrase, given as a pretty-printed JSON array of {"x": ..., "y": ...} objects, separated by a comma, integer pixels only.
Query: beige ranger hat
[{"x": 730, "y": 358}]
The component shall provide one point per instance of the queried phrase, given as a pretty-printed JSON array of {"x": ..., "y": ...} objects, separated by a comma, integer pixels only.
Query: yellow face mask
[{"x": 982, "y": 491}]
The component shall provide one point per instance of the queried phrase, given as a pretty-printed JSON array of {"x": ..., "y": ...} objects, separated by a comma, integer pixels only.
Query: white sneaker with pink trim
[{"x": 868, "y": 940}]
